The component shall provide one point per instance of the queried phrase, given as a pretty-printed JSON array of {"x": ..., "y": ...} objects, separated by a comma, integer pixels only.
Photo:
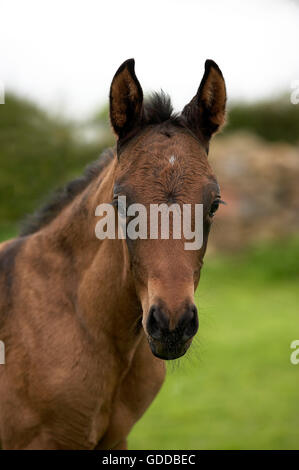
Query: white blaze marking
[{"x": 172, "y": 159}]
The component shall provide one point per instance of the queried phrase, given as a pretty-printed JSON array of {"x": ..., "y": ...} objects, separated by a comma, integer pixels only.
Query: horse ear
[
  {"x": 126, "y": 98},
  {"x": 205, "y": 114}
]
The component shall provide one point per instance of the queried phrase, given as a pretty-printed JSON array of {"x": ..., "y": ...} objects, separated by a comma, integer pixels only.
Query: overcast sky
[{"x": 64, "y": 53}]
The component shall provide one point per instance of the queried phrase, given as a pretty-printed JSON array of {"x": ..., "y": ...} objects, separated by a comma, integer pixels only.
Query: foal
[{"x": 87, "y": 323}]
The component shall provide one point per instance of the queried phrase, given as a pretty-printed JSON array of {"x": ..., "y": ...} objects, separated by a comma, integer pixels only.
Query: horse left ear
[{"x": 205, "y": 114}]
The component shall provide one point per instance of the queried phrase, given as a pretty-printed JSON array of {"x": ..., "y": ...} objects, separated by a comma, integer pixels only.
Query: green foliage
[
  {"x": 274, "y": 120},
  {"x": 275, "y": 261},
  {"x": 7, "y": 231},
  {"x": 38, "y": 152},
  {"x": 236, "y": 388}
]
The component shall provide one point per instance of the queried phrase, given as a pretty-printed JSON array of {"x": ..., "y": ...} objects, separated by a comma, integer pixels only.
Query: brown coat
[{"x": 86, "y": 322}]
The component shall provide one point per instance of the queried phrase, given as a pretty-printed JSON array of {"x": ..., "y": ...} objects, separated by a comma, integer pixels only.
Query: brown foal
[{"x": 88, "y": 323}]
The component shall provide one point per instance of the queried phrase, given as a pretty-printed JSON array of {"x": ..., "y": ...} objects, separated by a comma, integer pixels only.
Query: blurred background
[{"x": 236, "y": 388}]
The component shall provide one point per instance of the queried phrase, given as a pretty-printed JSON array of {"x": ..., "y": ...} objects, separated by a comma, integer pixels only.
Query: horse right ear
[
  {"x": 126, "y": 100},
  {"x": 205, "y": 114}
]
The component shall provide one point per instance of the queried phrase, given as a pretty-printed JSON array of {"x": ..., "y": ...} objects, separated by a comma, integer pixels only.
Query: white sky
[{"x": 64, "y": 53}]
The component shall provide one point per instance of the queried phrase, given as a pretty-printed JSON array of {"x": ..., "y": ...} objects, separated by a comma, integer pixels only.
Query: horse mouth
[{"x": 168, "y": 351}]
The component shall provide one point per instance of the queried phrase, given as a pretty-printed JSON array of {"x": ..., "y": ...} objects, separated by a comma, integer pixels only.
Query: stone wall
[{"x": 260, "y": 183}]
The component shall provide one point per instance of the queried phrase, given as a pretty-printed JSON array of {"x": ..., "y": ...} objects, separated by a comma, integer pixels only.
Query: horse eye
[{"x": 214, "y": 207}]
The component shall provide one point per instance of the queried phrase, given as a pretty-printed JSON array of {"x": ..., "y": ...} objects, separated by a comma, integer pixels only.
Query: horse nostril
[
  {"x": 189, "y": 323},
  {"x": 157, "y": 322}
]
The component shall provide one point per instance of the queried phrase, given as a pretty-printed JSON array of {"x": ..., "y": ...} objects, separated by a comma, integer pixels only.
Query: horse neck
[{"x": 98, "y": 270}]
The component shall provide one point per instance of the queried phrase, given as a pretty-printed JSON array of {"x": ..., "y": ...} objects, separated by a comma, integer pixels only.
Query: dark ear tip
[
  {"x": 209, "y": 63},
  {"x": 129, "y": 64}
]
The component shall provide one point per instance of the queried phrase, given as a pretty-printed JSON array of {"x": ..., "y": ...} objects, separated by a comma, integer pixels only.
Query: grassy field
[{"x": 236, "y": 388}]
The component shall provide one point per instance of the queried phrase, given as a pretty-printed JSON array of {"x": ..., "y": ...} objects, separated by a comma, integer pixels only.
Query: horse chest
[
  {"x": 105, "y": 400},
  {"x": 137, "y": 386}
]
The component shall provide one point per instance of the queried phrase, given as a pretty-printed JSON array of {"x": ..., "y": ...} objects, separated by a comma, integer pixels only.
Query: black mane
[
  {"x": 158, "y": 109},
  {"x": 63, "y": 196}
]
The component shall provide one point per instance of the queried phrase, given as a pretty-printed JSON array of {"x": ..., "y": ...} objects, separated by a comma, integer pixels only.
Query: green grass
[{"x": 236, "y": 389}]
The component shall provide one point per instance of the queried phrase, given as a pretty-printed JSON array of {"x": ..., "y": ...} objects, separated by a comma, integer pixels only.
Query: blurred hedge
[
  {"x": 273, "y": 120},
  {"x": 39, "y": 151}
]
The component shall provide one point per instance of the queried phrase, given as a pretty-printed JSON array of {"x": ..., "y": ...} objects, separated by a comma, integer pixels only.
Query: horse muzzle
[{"x": 171, "y": 342}]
